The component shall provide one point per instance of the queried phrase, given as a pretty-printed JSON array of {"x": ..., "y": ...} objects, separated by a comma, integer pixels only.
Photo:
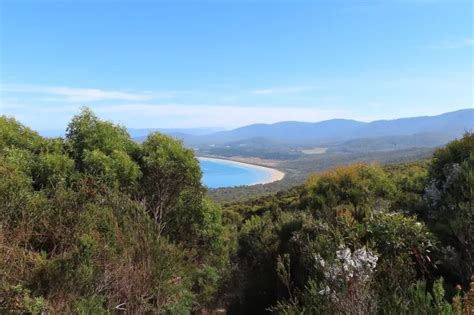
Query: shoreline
[{"x": 273, "y": 173}]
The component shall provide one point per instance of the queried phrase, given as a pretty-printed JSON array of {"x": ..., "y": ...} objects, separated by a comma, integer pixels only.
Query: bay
[{"x": 219, "y": 173}]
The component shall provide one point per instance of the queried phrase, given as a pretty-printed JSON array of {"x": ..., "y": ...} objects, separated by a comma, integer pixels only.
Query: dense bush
[
  {"x": 360, "y": 239},
  {"x": 96, "y": 223},
  {"x": 451, "y": 209},
  {"x": 78, "y": 231}
]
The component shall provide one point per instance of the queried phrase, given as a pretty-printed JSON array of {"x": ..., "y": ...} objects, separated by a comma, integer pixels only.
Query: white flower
[
  {"x": 360, "y": 264},
  {"x": 343, "y": 254},
  {"x": 325, "y": 291}
]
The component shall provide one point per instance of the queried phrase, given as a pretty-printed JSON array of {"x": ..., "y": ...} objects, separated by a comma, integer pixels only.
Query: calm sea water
[{"x": 221, "y": 173}]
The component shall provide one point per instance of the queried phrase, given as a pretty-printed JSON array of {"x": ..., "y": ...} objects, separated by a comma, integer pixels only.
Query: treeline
[{"x": 96, "y": 224}]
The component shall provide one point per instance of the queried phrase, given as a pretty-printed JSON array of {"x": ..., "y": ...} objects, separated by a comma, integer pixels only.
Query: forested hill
[
  {"x": 96, "y": 223},
  {"x": 450, "y": 125}
]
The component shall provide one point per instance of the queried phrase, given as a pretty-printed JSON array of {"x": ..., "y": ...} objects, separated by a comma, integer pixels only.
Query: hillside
[
  {"x": 96, "y": 223},
  {"x": 297, "y": 170},
  {"x": 361, "y": 239}
]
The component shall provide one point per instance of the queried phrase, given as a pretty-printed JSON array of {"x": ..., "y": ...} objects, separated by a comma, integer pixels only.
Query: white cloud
[
  {"x": 456, "y": 44},
  {"x": 282, "y": 90},
  {"x": 469, "y": 42},
  {"x": 47, "y": 116},
  {"x": 69, "y": 94},
  {"x": 182, "y": 116}
]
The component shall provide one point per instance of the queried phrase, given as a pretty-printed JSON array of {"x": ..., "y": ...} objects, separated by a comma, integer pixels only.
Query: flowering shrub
[
  {"x": 347, "y": 279},
  {"x": 360, "y": 264}
]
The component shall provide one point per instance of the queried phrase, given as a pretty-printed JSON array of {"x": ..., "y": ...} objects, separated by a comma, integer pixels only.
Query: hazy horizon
[{"x": 209, "y": 130}]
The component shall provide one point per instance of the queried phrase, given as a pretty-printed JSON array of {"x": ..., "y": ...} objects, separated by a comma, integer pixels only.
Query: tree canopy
[{"x": 78, "y": 231}]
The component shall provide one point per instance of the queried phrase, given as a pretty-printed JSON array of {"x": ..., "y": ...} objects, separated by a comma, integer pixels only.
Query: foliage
[
  {"x": 52, "y": 170},
  {"x": 424, "y": 302},
  {"x": 297, "y": 171},
  {"x": 395, "y": 234},
  {"x": 18, "y": 299},
  {"x": 15, "y": 135},
  {"x": 384, "y": 211},
  {"x": 89, "y": 305},
  {"x": 451, "y": 210},
  {"x": 168, "y": 169},
  {"x": 361, "y": 186},
  {"x": 76, "y": 231},
  {"x": 87, "y": 132},
  {"x": 98, "y": 224}
]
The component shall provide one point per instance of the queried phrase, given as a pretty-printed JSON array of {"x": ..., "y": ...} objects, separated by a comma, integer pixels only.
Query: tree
[
  {"x": 117, "y": 170},
  {"x": 77, "y": 230},
  {"x": 15, "y": 135},
  {"x": 450, "y": 197},
  {"x": 103, "y": 150},
  {"x": 52, "y": 170},
  {"x": 168, "y": 169},
  {"x": 87, "y": 132},
  {"x": 361, "y": 187}
]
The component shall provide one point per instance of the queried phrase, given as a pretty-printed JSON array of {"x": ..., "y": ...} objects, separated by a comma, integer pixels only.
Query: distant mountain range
[
  {"x": 294, "y": 132},
  {"x": 141, "y": 134},
  {"x": 285, "y": 140}
]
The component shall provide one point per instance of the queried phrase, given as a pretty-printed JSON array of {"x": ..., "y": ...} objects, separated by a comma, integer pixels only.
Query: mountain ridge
[{"x": 295, "y": 132}]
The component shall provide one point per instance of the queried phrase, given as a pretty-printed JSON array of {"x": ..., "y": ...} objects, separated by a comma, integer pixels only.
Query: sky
[{"x": 229, "y": 63}]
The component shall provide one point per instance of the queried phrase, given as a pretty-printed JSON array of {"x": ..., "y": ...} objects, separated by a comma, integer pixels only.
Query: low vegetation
[
  {"x": 361, "y": 239},
  {"x": 296, "y": 171},
  {"x": 96, "y": 224}
]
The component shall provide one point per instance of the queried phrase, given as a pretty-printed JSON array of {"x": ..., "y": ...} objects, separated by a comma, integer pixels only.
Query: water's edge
[{"x": 270, "y": 174}]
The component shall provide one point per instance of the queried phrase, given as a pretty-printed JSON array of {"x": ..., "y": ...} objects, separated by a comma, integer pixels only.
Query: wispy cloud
[
  {"x": 456, "y": 44},
  {"x": 469, "y": 42},
  {"x": 283, "y": 90},
  {"x": 177, "y": 115},
  {"x": 72, "y": 94}
]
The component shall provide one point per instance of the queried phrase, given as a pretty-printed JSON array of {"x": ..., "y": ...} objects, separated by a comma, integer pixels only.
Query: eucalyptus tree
[{"x": 168, "y": 170}]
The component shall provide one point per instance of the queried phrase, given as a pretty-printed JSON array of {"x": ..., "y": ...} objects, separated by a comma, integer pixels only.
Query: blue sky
[{"x": 183, "y": 64}]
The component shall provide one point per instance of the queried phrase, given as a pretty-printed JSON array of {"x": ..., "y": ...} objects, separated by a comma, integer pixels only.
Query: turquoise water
[{"x": 222, "y": 173}]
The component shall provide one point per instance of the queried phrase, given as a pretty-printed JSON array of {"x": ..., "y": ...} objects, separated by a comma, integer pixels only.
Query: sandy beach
[{"x": 273, "y": 174}]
